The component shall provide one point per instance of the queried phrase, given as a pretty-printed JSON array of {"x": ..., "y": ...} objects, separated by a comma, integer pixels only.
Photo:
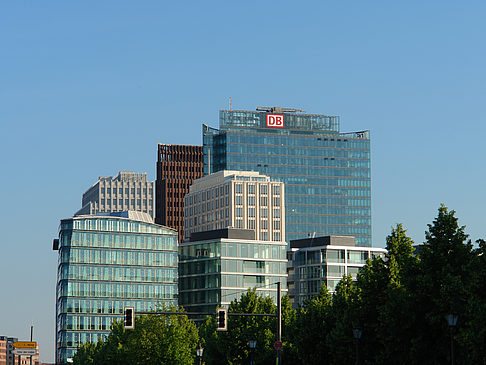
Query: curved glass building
[{"x": 107, "y": 262}]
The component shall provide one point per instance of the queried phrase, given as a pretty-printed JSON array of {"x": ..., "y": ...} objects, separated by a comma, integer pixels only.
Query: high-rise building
[
  {"x": 217, "y": 267},
  {"x": 238, "y": 199},
  {"x": 177, "y": 167},
  {"x": 315, "y": 261},
  {"x": 106, "y": 262},
  {"x": 326, "y": 173},
  {"x": 126, "y": 191}
]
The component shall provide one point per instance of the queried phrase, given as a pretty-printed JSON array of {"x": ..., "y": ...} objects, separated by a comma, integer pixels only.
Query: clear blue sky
[{"x": 88, "y": 88}]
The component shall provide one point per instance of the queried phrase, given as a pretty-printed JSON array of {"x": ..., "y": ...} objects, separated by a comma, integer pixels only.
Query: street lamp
[
  {"x": 452, "y": 322},
  {"x": 199, "y": 353},
  {"x": 252, "y": 342},
  {"x": 357, "y": 332}
]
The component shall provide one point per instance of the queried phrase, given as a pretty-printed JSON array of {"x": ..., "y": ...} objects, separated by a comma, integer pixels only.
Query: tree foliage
[
  {"x": 231, "y": 346},
  {"x": 156, "y": 339}
]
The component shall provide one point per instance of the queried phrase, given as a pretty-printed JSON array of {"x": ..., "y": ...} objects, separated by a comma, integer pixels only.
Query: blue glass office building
[
  {"x": 326, "y": 173},
  {"x": 104, "y": 264}
]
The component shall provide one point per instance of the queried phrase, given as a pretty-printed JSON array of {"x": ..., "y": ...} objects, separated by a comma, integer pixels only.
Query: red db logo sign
[{"x": 275, "y": 120}]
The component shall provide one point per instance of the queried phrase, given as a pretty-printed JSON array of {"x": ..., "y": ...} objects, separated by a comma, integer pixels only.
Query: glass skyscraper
[
  {"x": 326, "y": 173},
  {"x": 107, "y": 262}
]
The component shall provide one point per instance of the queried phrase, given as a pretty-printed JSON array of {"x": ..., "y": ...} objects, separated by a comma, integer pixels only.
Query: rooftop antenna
[{"x": 230, "y": 103}]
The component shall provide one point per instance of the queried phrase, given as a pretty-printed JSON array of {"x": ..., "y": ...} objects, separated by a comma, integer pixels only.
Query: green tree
[
  {"x": 309, "y": 329},
  {"x": 231, "y": 346},
  {"x": 471, "y": 330},
  {"x": 156, "y": 339},
  {"x": 395, "y": 331},
  {"x": 440, "y": 287},
  {"x": 342, "y": 318}
]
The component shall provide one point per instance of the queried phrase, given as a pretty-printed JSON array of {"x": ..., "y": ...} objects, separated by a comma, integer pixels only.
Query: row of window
[
  {"x": 318, "y": 162},
  {"x": 127, "y": 190},
  {"x": 117, "y": 290},
  {"x": 302, "y": 218},
  {"x": 334, "y": 256},
  {"x": 295, "y": 140},
  {"x": 233, "y": 249},
  {"x": 118, "y": 240},
  {"x": 118, "y": 257},
  {"x": 117, "y": 273},
  {"x": 142, "y": 202},
  {"x": 337, "y": 182},
  {"x": 104, "y": 306},
  {"x": 278, "y": 169},
  {"x": 315, "y": 151}
]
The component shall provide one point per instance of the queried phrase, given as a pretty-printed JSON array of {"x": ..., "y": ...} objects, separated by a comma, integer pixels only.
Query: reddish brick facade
[{"x": 177, "y": 167}]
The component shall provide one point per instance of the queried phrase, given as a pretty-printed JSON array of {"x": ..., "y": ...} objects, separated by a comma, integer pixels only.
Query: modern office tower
[
  {"x": 326, "y": 172},
  {"x": 218, "y": 266},
  {"x": 323, "y": 260},
  {"x": 177, "y": 167},
  {"x": 106, "y": 262},
  {"x": 238, "y": 199},
  {"x": 126, "y": 191}
]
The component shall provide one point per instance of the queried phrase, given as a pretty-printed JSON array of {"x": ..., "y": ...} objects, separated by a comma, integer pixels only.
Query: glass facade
[
  {"x": 215, "y": 272},
  {"x": 105, "y": 264},
  {"x": 326, "y": 173},
  {"x": 311, "y": 267}
]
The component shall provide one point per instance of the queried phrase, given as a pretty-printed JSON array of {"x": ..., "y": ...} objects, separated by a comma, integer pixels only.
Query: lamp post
[
  {"x": 452, "y": 322},
  {"x": 357, "y": 332},
  {"x": 252, "y": 342},
  {"x": 199, "y": 353}
]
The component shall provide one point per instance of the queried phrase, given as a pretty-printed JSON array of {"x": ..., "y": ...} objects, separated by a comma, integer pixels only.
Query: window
[
  {"x": 138, "y": 191},
  {"x": 263, "y": 200},
  {"x": 264, "y": 189},
  {"x": 108, "y": 201},
  {"x": 108, "y": 190},
  {"x": 120, "y": 190},
  {"x": 102, "y": 190},
  {"x": 132, "y": 190},
  {"x": 239, "y": 188},
  {"x": 251, "y": 200},
  {"x": 251, "y": 189},
  {"x": 251, "y": 212}
]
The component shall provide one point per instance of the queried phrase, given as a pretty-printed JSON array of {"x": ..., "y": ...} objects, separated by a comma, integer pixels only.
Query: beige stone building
[
  {"x": 126, "y": 191},
  {"x": 237, "y": 199}
]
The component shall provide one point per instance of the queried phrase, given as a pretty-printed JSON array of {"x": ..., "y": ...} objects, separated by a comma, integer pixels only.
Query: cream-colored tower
[{"x": 238, "y": 199}]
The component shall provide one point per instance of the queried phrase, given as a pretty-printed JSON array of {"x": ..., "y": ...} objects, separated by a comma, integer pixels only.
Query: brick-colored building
[{"x": 177, "y": 167}]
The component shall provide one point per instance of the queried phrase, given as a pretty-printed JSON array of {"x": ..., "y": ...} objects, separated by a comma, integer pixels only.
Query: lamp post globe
[{"x": 199, "y": 353}]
